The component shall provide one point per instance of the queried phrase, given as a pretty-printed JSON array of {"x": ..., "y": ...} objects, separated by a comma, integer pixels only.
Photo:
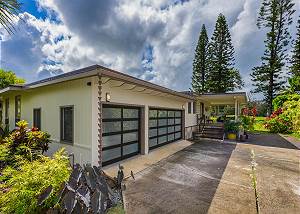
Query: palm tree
[{"x": 9, "y": 9}]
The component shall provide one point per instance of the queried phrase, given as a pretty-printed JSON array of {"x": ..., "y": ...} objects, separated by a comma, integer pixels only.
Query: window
[
  {"x": 17, "y": 108},
  {"x": 7, "y": 111},
  {"x": 37, "y": 118},
  {"x": 194, "y": 107},
  {"x": 66, "y": 123},
  {"x": 189, "y": 107}
]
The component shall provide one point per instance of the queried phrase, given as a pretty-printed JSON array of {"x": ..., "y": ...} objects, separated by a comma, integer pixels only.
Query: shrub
[
  {"x": 279, "y": 101},
  {"x": 19, "y": 193},
  {"x": 23, "y": 144},
  {"x": 231, "y": 126},
  {"x": 248, "y": 118}
]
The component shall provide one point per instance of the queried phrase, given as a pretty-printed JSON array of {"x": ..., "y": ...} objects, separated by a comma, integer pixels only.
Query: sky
[{"x": 151, "y": 40}]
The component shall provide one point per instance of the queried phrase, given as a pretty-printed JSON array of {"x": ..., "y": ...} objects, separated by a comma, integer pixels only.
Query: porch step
[{"x": 210, "y": 131}]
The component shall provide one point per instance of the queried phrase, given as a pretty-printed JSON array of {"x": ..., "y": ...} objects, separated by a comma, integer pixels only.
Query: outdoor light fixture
[
  {"x": 183, "y": 106},
  {"x": 107, "y": 97}
]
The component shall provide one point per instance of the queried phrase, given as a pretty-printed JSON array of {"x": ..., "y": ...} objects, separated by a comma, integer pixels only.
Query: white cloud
[{"x": 118, "y": 33}]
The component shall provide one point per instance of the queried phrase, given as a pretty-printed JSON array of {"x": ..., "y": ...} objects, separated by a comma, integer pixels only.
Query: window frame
[
  {"x": 40, "y": 115},
  {"x": 17, "y": 113},
  {"x": 67, "y": 141},
  {"x": 189, "y": 107}
]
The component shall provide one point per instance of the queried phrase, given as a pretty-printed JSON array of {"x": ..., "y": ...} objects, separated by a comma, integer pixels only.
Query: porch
[{"x": 216, "y": 107}]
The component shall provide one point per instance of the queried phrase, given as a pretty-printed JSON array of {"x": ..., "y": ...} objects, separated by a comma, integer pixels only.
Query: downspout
[{"x": 100, "y": 138}]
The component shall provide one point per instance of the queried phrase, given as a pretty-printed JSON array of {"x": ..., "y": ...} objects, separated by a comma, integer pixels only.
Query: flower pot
[{"x": 231, "y": 136}]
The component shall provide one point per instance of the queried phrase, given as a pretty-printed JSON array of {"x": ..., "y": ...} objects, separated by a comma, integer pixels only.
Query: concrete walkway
[
  {"x": 141, "y": 162},
  {"x": 212, "y": 177}
]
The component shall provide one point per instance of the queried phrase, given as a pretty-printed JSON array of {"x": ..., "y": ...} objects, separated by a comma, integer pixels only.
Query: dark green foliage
[
  {"x": 295, "y": 63},
  {"x": 19, "y": 194},
  {"x": 275, "y": 16},
  {"x": 199, "y": 77},
  {"x": 23, "y": 144},
  {"x": 9, "y": 9},
  {"x": 9, "y": 78},
  {"x": 279, "y": 101},
  {"x": 222, "y": 75},
  {"x": 231, "y": 126}
]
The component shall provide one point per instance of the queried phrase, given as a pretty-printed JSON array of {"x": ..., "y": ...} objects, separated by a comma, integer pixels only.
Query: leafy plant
[
  {"x": 248, "y": 118},
  {"x": 19, "y": 193},
  {"x": 24, "y": 144},
  {"x": 278, "y": 122},
  {"x": 232, "y": 126}
]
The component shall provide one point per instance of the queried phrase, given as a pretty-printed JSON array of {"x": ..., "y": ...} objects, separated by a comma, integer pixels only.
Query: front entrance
[
  {"x": 165, "y": 126},
  {"x": 121, "y": 132}
]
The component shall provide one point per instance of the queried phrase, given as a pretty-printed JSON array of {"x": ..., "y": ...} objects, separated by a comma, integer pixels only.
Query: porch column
[
  {"x": 236, "y": 109},
  {"x": 100, "y": 139},
  {"x": 144, "y": 131}
]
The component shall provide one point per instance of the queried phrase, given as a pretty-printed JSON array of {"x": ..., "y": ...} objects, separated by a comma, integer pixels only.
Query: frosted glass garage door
[
  {"x": 121, "y": 133},
  {"x": 165, "y": 126}
]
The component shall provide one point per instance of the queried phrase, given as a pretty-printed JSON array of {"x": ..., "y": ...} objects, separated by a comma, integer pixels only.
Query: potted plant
[{"x": 231, "y": 129}]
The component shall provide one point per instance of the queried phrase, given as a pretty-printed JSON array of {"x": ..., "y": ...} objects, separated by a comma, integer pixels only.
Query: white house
[{"x": 103, "y": 116}]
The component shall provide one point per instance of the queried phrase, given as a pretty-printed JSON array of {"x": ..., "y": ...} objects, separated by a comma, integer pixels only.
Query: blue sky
[{"x": 152, "y": 40}]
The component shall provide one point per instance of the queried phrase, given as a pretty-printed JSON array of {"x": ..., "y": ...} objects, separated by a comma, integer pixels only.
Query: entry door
[
  {"x": 121, "y": 132},
  {"x": 165, "y": 126}
]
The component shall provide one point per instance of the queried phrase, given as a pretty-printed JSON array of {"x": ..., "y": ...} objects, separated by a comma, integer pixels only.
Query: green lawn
[
  {"x": 259, "y": 125},
  {"x": 116, "y": 210}
]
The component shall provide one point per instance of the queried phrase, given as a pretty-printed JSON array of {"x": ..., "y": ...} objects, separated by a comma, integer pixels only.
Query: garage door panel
[
  {"x": 164, "y": 126},
  {"x": 111, "y": 140},
  {"x": 121, "y": 133}
]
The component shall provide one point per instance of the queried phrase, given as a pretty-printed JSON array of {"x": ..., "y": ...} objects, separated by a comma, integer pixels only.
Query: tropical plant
[
  {"x": 275, "y": 16},
  {"x": 248, "y": 118},
  {"x": 23, "y": 144},
  {"x": 199, "y": 77},
  {"x": 9, "y": 9},
  {"x": 231, "y": 126},
  {"x": 222, "y": 76},
  {"x": 9, "y": 78},
  {"x": 278, "y": 122},
  {"x": 19, "y": 194}
]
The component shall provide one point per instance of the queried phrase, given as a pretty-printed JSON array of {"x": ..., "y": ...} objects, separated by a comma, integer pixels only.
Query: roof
[{"x": 95, "y": 70}]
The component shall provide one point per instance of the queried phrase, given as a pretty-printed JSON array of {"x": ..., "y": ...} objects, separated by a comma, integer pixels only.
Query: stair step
[{"x": 208, "y": 136}]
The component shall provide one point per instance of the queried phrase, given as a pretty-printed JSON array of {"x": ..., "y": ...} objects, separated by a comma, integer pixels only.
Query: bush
[
  {"x": 248, "y": 118},
  {"x": 19, "y": 193},
  {"x": 279, "y": 101},
  {"x": 278, "y": 122},
  {"x": 231, "y": 126},
  {"x": 23, "y": 144}
]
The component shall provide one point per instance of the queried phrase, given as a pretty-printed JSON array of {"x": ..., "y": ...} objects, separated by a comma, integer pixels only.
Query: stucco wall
[
  {"x": 123, "y": 96},
  {"x": 50, "y": 99}
]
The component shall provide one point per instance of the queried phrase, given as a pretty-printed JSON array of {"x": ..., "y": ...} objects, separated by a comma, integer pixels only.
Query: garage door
[
  {"x": 121, "y": 133},
  {"x": 165, "y": 126}
]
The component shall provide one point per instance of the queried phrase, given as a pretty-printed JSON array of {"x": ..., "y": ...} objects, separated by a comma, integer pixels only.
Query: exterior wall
[
  {"x": 190, "y": 121},
  {"x": 50, "y": 98},
  {"x": 130, "y": 97}
]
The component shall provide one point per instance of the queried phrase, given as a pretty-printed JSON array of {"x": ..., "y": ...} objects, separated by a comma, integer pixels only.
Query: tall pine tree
[
  {"x": 222, "y": 75},
  {"x": 275, "y": 16},
  {"x": 295, "y": 62},
  {"x": 199, "y": 77}
]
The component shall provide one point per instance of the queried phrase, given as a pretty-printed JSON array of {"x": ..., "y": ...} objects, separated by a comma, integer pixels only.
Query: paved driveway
[{"x": 212, "y": 177}]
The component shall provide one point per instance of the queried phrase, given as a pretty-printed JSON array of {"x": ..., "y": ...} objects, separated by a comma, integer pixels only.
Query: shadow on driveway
[
  {"x": 268, "y": 139},
  {"x": 185, "y": 182}
]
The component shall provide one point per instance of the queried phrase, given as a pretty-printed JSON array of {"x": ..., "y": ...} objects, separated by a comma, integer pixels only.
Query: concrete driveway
[{"x": 213, "y": 177}]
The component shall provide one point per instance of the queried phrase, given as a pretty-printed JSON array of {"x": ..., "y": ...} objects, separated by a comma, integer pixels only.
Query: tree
[
  {"x": 295, "y": 62},
  {"x": 222, "y": 75},
  {"x": 199, "y": 77},
  {"x": 9, "y": 78},
  {"x": 8, "y": 10},
  {"x": 275, "y": 16}
]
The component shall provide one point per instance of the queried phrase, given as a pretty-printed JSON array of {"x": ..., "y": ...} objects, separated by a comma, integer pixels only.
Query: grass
[
  {"x": 295, "y": 135},
  {"x": 259, "y": 125},
  {"x": 116, "y": 210}
]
